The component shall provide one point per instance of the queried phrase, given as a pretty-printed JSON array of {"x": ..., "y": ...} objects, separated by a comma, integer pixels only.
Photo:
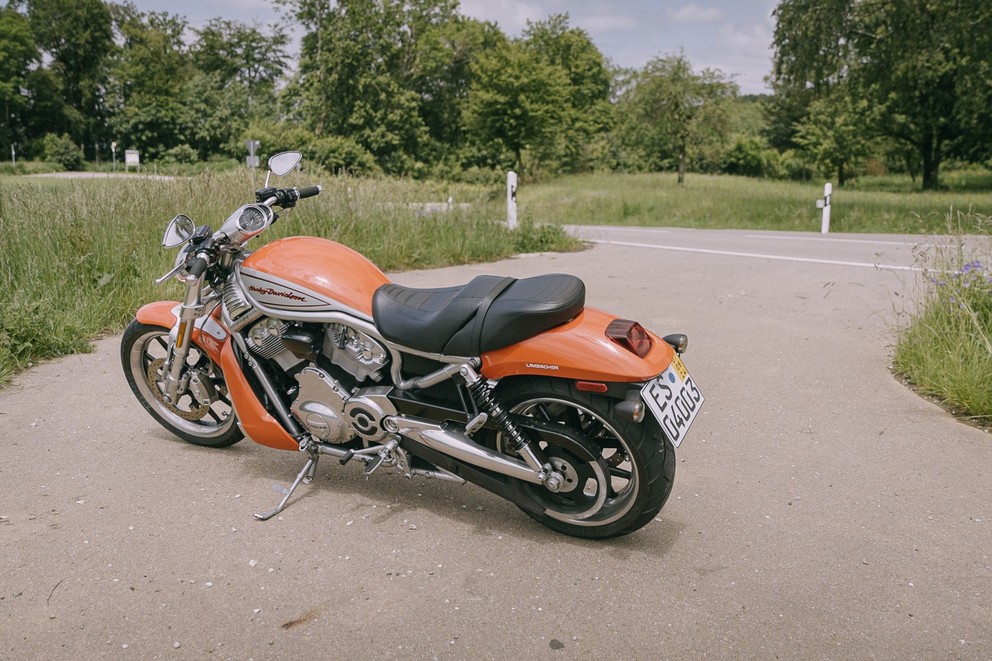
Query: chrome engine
[
  {"x": 356, "y": 352},
  {"x": 325, "y": 406},
  {"x": 320, "y": 406}
]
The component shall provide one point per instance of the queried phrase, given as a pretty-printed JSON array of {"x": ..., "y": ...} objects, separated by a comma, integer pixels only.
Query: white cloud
[
  {"x": 510, "y": 15},
  {"x": 605, "y": 23},
  {"x": 746, "y": 40},
  {"x": 693, "y": 13}
]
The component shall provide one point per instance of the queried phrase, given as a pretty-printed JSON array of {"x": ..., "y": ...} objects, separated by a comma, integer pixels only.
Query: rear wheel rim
[
  {"x": 207, "y": 419},
  {"x": 614, "y": 451}
]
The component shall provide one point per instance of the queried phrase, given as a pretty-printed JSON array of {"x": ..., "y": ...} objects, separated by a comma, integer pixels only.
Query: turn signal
[
  {"x": 679, "y": 341},
  {"x": 630, "y": 335}
]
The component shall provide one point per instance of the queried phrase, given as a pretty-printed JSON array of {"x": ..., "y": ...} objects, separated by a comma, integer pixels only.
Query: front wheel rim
[{"x": 207, "y": 419}]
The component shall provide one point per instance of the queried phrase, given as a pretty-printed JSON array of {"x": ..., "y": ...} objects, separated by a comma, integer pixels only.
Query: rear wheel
[
  {"x": 638, "y": 459},
  {"x": 202, "y": 413}
]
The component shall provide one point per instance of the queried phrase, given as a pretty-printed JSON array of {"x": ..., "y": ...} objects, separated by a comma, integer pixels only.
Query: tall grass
[
  {"x": 946, "y": 351},
  {"x": 724, "y": 202},
  {"x": 78, "y": 257}
]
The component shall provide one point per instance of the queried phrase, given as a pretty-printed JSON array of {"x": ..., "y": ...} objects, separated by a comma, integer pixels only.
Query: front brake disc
[{"x": 154, "y": 375}]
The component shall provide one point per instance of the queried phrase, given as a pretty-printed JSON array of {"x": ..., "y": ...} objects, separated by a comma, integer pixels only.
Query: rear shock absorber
[{"x": 483, "y": 395}]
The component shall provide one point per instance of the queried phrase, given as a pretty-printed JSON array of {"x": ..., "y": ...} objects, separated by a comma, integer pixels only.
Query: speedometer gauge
[{"x": 252, "y": 220}]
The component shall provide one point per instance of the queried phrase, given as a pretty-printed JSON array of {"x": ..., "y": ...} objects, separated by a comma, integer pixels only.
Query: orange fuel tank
[{"x": 307, "y": 274}]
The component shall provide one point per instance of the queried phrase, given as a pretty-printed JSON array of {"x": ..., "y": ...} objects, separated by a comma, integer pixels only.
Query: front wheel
[
  {"x": 637, "y": 457},
  {"x": 202, "y": 413}
]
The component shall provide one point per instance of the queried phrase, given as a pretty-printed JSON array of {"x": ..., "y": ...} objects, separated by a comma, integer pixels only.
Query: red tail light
[{"x": 630, "y": 335}]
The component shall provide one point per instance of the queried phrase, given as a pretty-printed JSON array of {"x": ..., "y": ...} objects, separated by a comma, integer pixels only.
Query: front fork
[{"x": 190, "y": 310}]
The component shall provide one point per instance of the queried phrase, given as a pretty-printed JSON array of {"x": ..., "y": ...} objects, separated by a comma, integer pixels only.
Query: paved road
[{"x": 820, "y": 510}]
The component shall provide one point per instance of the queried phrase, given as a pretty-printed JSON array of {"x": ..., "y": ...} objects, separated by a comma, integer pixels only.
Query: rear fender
[
  {"x": 208, "y": 333},
  {"x": 580, "y": 350}
]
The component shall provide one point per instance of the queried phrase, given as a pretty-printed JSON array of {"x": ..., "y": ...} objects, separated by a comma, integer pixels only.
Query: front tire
[
  {"x": 638, "y": 456},
  {"x": 204, "y": 416}
]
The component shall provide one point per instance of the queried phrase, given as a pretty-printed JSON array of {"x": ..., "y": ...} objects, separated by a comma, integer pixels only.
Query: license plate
[{"x": 674, "y": 400}]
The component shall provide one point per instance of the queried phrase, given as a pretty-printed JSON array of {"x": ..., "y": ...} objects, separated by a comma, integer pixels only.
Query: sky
[{"x": 733, "y": 36}]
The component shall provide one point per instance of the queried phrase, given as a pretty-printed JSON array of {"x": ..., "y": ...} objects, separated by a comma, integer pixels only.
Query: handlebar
[
  {"x": 286, "y": 197},
  {"x": 309, "y": 191},
  {"x": 199, "y": 266}
]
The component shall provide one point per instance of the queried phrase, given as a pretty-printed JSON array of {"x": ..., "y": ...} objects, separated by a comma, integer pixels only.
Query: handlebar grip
[
  {"x": 309, "y": 191},
  {"x": 198, "y": 267}
]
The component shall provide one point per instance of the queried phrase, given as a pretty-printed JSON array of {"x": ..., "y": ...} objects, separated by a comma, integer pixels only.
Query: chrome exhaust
[{"x": 463, "y": 448}]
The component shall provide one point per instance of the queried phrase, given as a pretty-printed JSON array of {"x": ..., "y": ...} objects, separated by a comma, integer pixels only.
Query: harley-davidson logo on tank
[{"x": 270, "y": 291}]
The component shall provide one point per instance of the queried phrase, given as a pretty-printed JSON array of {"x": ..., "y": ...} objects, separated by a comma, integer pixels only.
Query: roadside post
[
  {"x": 113, "y": 151},
  {"x": 13, "y": 155},
  {"x": 511, "y": 200},
  {"x": 252, "y": 160},
  {"x": 132, "y": 157},
  {"x": 824, "y": 207}
]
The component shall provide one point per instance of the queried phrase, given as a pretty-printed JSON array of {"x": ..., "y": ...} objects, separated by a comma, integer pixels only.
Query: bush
[
  {"x": 946, "y": 351},
  {"x": 752, "y": 157},
  {"x": 62, "y": 150},
  {"x": 340, "y": 154},
  {"x": 183, "y": 154},
  {"x": 30, "y": 167}
]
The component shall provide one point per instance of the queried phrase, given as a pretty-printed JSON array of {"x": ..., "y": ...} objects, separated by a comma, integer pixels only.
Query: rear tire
[
  {"x": 209, "y": 421},
  {"x": 640, "y": 459}
]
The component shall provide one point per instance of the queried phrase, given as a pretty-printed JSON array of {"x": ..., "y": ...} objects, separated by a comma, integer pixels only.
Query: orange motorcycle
[{"x": 512, "y": 384}]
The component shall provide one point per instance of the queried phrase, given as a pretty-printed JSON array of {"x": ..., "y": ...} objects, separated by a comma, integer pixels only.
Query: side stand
[{"x": 305, "y": 476}]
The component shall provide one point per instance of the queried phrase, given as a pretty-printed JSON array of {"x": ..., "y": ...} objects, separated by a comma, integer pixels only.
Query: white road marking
[
  {"x": 816, "y": 238},
  {"x": 731, "y": 253}
]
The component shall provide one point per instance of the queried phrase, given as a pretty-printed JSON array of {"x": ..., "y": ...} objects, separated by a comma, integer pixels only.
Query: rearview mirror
[
  {"x": 283, "y": 163},
  {"x": 179, "y": 231}
]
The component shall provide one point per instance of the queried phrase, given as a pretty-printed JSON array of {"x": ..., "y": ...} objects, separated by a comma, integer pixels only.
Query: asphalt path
[{"x": 821, "y": 510}]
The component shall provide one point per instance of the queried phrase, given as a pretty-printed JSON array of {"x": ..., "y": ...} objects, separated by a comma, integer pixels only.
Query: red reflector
[
  {"x": 591, "y": 386},
  {"x": 630, "y": 335}
]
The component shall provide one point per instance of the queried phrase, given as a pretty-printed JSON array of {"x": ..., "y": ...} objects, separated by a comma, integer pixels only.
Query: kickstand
[{"x": 305, "y": 476}]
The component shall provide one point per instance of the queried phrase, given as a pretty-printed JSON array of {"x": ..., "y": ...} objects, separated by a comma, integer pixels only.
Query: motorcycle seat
[{"x": 488, "y": 313}]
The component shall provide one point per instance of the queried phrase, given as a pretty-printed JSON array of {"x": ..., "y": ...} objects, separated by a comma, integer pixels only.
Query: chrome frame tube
[{"x": 284, "y": 415}]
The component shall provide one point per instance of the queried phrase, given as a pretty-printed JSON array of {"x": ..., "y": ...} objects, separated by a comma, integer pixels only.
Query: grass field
[
  {"x": 709, "y": 201},
  {"x": 77, "y": 257},
  {"x": 946, "y": 350}
]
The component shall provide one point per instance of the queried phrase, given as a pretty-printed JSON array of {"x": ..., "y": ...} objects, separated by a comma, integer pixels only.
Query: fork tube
[{"x": 191, "y": 309}]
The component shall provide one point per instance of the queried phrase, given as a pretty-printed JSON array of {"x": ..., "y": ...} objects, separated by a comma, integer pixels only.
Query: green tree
[
  {"x": 442, "y": 76},
  {"x": 587, "y": 112},
  {"x": 237, "y": 68},
  {"x": 516, "y": 102},
  {"x": 78, "y": 37},
  {"x": 148, "y": 77},
  {"x": 833, "y": 133},
  {"x": 357, "y": 67},
  {"x": 669, "y": 110},
  {"x": 921, "y": 66},
  {"x": 18, "y": 53},
  {"x": 241, "y": 54}
]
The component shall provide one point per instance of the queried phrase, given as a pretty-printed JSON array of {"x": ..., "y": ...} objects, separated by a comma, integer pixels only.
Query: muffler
[{"x": 456, "y": 444}]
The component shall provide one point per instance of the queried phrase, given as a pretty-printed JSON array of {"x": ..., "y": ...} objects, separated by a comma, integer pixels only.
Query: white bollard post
[
  {"x": 511, "y": 200},
  {"x": 824, "y": 206}
]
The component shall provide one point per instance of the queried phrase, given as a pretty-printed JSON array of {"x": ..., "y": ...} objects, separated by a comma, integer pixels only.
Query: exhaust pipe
[{"x": 464, "y": 449}]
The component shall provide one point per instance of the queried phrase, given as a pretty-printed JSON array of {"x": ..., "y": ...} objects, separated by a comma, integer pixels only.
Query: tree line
[{"x": 415, "y": 88}]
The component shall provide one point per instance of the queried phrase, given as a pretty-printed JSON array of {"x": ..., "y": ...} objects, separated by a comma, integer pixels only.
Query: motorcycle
[{"x": 514, "y": 385}]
